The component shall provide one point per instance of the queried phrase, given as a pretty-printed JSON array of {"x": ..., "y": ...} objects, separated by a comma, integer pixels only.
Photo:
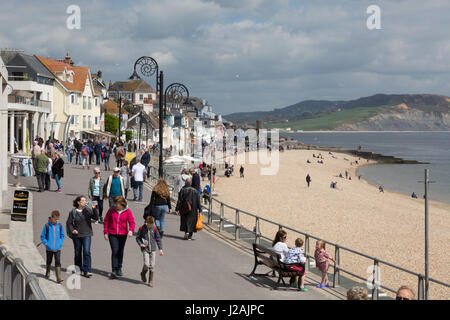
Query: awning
[
  {"x": 22, "y": 93},
  {"x": 99, "y": 133}
]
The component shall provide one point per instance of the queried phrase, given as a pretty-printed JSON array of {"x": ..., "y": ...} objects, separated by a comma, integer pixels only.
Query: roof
[
  {"x": 196, "y": 102},
  {"x": 32, "y": 62},
  {"x": 132, "y": 86},
  {"x": 80, "y": 73},
  {"x": 112, "y": 108}
]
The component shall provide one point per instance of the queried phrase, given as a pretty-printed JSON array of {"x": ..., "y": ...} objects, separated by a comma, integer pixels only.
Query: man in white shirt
[{"x": 138, "y": 173}]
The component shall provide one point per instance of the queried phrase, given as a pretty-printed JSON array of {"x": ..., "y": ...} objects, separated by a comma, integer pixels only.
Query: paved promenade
[{"x": 205, "y": 269}]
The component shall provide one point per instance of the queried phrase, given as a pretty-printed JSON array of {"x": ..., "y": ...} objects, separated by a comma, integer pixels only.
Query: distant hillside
[{"x": 378, "y": 112}]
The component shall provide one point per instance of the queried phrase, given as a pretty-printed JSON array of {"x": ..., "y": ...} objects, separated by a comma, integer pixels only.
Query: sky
[{"x": 248, "y": 55}]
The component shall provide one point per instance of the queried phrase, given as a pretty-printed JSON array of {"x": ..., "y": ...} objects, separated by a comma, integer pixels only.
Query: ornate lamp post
[{"x": 175, "y": 93}]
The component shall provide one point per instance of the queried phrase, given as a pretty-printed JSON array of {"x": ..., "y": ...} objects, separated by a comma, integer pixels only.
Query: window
[
  {"x": 84, "y": 122},
  {"x": 96, "y": 102},
  {"x": 72, "y": 121},
  {"x": 73, "y": 99},
  {"x": 84, "y": 102},
  {"x": 141, "y": 97},
  {"x": 89, "y": 122},
  {"x": 89, "y": 104},
  {"x": 96, "y": 121}
]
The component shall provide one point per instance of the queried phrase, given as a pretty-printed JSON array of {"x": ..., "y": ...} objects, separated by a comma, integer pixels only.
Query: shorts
[{"x": 299, "y": 269}]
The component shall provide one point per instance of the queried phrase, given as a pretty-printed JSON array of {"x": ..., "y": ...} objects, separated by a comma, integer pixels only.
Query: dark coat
[
  {"x": 81, "y": 223},
  {"x": 188, "y": 219},
  {"x": 155, "y": 238},
  {"x": 145, "y": 159},
  {"x": 196, "y": 181},
  {"x": 57, "y": 168}
]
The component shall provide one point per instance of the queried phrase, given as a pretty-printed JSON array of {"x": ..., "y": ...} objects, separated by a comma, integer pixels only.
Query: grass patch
[{"x": 331, "y": 120}]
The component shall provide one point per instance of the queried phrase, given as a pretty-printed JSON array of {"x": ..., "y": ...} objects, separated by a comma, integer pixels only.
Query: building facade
[{"x": 76, "y": 105}]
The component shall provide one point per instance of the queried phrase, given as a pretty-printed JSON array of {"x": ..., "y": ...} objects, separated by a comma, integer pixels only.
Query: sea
[{"x": 430, "y": 147}]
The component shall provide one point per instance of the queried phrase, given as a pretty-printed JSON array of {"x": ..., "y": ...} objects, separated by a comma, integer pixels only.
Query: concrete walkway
[{"x": 205, "y": 269}]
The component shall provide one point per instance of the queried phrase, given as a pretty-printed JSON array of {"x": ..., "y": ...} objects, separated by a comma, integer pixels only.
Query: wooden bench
[{"x": 272, "y": 260}]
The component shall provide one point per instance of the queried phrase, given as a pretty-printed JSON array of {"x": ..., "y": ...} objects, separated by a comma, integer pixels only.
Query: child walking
[
  {"x": 322, "y": 256},
  {"x": 52, "y": 237},
  {"x": 148, "y": 237},
  {"x": 295, "y": 255}
]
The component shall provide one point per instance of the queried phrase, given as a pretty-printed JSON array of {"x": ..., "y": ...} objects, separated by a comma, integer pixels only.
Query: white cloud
[{"x": 283, "y": 51}]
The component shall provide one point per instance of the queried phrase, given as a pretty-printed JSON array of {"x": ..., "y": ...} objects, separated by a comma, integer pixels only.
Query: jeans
[
  {"x": 78, "y": 157},
  {"x": 98, "y": 157},
  {"x": 91, "y": 155},
  {"x": 160, "y": 214},
  {"x": 57, "y": 255},
  {"x": 69, "y": 157},
  {"x": 100, "y": 205},
  {"x": 117, "y": 244},
  {"x": 82, "y": 248},
  {"x": 40, "y": 176},
  {"x": 47, "y": 181},
  {"x": 58, "y": 181},
  {"x": 140, "y": 185},
  {"x": 106, "y": 163}
]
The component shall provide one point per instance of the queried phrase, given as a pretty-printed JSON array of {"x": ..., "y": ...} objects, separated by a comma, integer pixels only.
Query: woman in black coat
[
  {"x": 188, "y": 221},
  {"x": 57, "y": 170}
]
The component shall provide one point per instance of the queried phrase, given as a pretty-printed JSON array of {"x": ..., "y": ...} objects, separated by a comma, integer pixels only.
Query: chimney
[
  {"x": 100, "y": 74},
  {"x": 67, "y": 59}
]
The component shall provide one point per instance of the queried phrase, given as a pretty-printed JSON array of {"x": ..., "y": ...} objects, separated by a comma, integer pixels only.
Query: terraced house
[{"x": 76, "y": 104}]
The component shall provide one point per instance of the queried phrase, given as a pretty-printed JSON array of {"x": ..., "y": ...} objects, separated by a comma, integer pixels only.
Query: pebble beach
[{"x": 386, "y": 225}]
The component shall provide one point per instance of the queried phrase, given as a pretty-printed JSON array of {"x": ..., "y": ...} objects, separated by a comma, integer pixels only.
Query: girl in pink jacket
[{"x": 118, "y": 225}]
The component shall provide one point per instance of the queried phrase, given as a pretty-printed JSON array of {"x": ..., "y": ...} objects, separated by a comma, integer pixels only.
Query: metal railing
[
  {"x": 337, "y": 270},
  {"x": 16, "y": 282}
]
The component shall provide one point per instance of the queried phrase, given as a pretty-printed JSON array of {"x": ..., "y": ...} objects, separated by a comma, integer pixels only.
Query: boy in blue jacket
[{"x": 52, "y": 237}]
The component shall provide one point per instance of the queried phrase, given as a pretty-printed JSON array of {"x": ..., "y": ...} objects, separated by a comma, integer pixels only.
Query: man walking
[
  {"x": 241, "y": 171},
  {"x": 114, "y": 186},
  {"x": 41, "y": 169},
  {"x": 138, "y": 173},
  {"x": 145, "y": 160},
  {"x": 308, "y": 180},
  {"x": 34, "y": 153}
]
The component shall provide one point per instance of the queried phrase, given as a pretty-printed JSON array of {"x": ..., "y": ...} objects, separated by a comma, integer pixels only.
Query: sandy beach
[{"x": 388, "y": 226}]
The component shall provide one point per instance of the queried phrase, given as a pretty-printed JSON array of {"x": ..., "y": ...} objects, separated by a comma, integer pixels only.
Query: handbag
[{"x": 199, "y": 225}]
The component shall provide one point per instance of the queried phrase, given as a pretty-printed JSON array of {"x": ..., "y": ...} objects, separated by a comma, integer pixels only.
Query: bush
[{"x": 111, "y": 123}]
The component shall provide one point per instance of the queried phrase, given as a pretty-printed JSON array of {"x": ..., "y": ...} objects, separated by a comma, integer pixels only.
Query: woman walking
[
  {"x": 189, "y": 207},
  {"x": 79, "y": 228},
  {"x": 160, "y": 204},
  {"x": 57, "y": 170},
  {"x": 106, "y": 155},
  {"x": 96, "y": 191},
  {"x": 118, "y": 225}
]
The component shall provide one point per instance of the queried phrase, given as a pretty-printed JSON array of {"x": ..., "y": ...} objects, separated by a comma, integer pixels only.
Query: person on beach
[
  {"x": 118, "y": 225},
  {"x": 160, "y": 204},
  {"x": 322, "y": 257},
  {"x": 279, "y": 244},
  {"x": 414, "y": 195},
  {"x": 308, "y": 179},
  {"x": 79, "y": 229},
  {"x": 295, "y": 255},
  {"x": 125, "y": 172},
  {"x": 405, "y": 293},
  {"x": 52, "y": 237},
  {"x": 241, "y": 171},
  {"x": 189, "y": 207},
  {"x": 147, "y": 239},
  {"x": 115, "y": 186},
  {"x": 380, "y": 188},
  {"x": 357, "y": 293},
  {"x": 58, "y": 170},
  {"x": 96, "y": 192}
]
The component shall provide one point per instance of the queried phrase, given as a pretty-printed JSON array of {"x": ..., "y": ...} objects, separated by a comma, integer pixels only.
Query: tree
[
  {"x": 111, "y": 123},
  {"x": 128, "y": 134}
]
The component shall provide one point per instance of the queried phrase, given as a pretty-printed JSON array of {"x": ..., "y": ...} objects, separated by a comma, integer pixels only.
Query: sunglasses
[{"x": 401, "y": 298}]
